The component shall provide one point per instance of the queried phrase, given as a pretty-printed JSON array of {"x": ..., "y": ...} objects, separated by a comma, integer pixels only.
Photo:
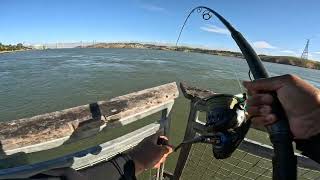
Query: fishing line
[
  {"x": 249, "y": 74},
  {"x": 206, "y": 15}
]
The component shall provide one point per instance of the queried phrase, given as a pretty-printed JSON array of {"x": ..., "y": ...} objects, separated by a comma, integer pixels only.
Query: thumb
[
  {"x": 268, "y": 84},
  {"x": 154, "y": 138}
]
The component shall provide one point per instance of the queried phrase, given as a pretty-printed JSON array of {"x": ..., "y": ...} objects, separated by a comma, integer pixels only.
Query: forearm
[
  {"x": 139, "y": 167},
  {"x": 119, "y": 167},
  {"x": 310, "y": 147},
  {"x": 307, "y": 125}
]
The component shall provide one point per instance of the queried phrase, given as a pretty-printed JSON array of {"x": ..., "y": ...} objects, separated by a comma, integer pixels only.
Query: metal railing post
[
  {"x": 165, "y": 125},
  {"x": 189, "y": 134}
]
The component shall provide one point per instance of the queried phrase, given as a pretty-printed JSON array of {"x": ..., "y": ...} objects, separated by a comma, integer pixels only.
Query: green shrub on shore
[
  {"x": 294, "y": 61},
  {"x": 10, "y": 47},
  {"x": 288, "y": 60}
]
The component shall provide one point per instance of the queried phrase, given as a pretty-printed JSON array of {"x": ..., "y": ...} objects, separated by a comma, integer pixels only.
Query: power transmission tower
[{"x": 305, "y": 52}]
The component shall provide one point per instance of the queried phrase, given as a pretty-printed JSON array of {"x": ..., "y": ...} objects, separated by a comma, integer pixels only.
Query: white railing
[{"x": 51, "y": 130}]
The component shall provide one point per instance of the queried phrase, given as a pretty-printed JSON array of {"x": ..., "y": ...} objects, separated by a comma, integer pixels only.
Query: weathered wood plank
[
  {"x": 83, "y": 121},
  {"x": 69, "y": 139},
  {"x": 191, "y": 92}
]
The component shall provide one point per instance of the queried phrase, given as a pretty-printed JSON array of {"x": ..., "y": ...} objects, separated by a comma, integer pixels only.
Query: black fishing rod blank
[{"x": 284, "y": 161}]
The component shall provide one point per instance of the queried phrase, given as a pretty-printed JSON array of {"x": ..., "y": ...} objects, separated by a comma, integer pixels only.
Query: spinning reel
[{"x": 226, "y": 124}]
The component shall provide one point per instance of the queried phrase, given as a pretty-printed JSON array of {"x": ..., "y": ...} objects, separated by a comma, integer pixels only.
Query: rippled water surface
[{"x": 35, "y": 82}]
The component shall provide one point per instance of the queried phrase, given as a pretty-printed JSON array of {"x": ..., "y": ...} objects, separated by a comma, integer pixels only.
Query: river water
[{"x": 36, "y": 82}]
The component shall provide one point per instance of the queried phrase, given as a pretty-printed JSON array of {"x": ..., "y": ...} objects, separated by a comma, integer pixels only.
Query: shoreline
[
  {"x": 286, "y": 60},
  {"x": 4, "y": 52}
]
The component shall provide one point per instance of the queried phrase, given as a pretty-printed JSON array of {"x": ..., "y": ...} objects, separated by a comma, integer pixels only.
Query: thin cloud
[
  {"x": 318, "y": 52},
  {"x": 288, "y": 52},
  {"x": 153, "y": 8},
  {"x": 215, "y": 29},
  {"x": 263, "y": 45}
]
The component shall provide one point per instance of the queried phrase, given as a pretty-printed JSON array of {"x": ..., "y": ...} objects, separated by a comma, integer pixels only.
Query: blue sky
[{"x": 278, "y": 27}]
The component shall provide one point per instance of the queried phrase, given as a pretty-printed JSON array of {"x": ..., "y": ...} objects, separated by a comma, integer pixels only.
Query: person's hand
[
  {"x": 148, "y": 154},
  {"x": 300, "y": 100}
]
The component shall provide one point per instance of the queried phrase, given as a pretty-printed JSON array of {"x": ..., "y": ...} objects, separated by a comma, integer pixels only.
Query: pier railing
[{"x": 51, "y": 130}]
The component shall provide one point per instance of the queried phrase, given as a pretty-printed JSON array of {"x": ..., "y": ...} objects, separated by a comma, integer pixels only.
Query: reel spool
[{"x": 226, "y": 124}]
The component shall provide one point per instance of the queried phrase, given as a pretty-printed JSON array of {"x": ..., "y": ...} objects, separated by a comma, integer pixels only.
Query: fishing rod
[{"x": 284, "y": 161}]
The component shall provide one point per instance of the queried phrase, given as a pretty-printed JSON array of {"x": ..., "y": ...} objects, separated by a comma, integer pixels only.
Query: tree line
[{"x": 10, "y": 47}]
